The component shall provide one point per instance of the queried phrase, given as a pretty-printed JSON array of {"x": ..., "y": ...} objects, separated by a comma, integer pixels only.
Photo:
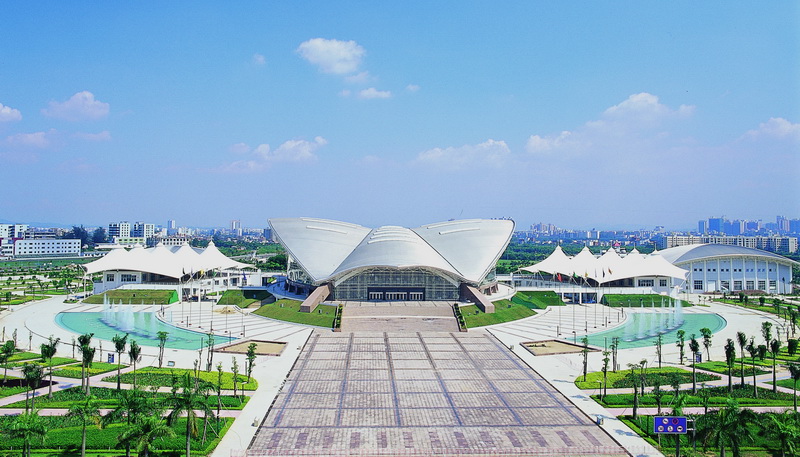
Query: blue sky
[{"x": 586, "y": 114}]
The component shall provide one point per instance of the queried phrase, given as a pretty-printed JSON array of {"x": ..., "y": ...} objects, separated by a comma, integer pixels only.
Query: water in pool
[
  {"x": 142, "y": 327},
  {"x": 642, "y": 329}
]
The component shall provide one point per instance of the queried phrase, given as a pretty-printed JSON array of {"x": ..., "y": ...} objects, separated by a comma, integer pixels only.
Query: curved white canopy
[{"x": 163, "y": 261}]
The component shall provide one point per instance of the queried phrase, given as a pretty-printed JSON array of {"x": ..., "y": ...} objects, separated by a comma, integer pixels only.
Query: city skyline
[{"x": 586, "y": 115}]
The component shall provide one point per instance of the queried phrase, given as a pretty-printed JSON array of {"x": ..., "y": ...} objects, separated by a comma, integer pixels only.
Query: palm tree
[
  {"x": 730, "y": 359},
  {"x": 135, "y": 353},
  {"x": 605, "y": 373},
  {"x": 741, "y": 338},
  {"x": 784, "y": 428},
  {"x": 87, "y": 357},
  {"x": 133, "y": 405},
  {"x": 143, "y": 432},
  {"x": 584, "y": 351},
  {"x": 162, "y": 342},
  {"x": 680, "y": 342},
  {"x": 694, "y": 346},
  {"x": 794, "y": 371},
  {"x": 634, "y": 367},
  {"x": 766, "y": 332},
  {"x": 28, "y": 426},
  {"x": 753, "y": 350},
  {"x": 774, "y": 349},
  {"x": 33, "y": 375},
  {"x": 705, "y": 332},
  {"x": 87, "y": 412},
  {"x": 729, "y": 426},
  {"x": 83, "y": 340},
  {"x": 188, "y": 400},
  {"x": 119, "y": 347},
  {"x": 48, "y": 351}
]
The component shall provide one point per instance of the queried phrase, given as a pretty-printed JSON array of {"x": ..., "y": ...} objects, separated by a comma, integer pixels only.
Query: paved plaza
[{"x": 406, "y": 393}]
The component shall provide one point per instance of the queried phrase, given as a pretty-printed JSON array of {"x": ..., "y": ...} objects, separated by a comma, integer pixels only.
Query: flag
[
  {"x": 559, "y": 277},
  {"x": 609, "y": 271}
]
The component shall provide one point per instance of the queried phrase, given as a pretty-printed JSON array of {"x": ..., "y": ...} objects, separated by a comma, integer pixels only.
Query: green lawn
[
  {"x": 243, "y": 298},
  {"x": 636, "y": 300},
  {"x": 537, "y": 299},
  {"x": 622, "y": 378},
  {"x": 788, "y": 384},
  {"x": 8, "y": 391},
  {"x": 722, "y": 368},
  {"x": 135, "y": 297},
  {"x": 505, "y": 311},
  {"x": 717, "y": 396},
  {"x": 153, "y": 376},
  {"x": 289, "y": 310},
  {"x": 109, "y": 398},
  {"x": 74, "y": 371},
  {"x": 56, "y": 362}
]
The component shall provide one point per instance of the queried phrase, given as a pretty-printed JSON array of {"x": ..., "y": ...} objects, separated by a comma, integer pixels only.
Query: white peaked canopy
[
  {"x": 163, "y": 261},
  {"x": 608, "y": 267}
]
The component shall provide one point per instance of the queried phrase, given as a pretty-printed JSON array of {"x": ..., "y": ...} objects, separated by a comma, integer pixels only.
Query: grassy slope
[
  {"x": 622, "y": 300},
  {"x": 243, "y": 298},
  {"x": 135, "y": 297},
  {"x": 290, "y": 312}
]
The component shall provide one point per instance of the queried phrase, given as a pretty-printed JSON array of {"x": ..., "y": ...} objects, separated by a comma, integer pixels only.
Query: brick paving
[{"x": 417, "y": 393}]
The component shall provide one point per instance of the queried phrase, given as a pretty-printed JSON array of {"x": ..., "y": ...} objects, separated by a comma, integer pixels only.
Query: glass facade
[{"x": 395, "y": 284}]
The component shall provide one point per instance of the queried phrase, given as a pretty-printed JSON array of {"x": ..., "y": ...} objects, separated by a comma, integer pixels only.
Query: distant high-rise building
[
  {"x": 716, "y": 224},
  {"x": 783, "y": 223},
  {"x": 119, "y": 229},
  {"x": 702, "y": 227},
  {"x": 794, "y": 225},
  {"x": 236, "y": 224},
  {"x": 171, "y": 225},
  {"x": 143, "y": 230}
]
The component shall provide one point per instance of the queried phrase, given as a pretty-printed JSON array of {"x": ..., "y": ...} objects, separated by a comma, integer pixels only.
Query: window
[
  {"x": 645, "y": 283},
  {"x": 662, "y": 283},
  {"x": 737, "y": 285},
  {"x": 125, "y": 277},
  {"x": 750, "y": 285},
  {"x": 110, "y": 277},
  {"x": 772, "y": 285},
  {"x": 762, "y": 285},
  {"x": 725, "y": 285},
  {"x": 698, "y": 285}
]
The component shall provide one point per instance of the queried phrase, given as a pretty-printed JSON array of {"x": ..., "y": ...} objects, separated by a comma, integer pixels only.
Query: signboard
[
  {"x": 698, "y": 358},
  {"x": 675, "y": 425},
  {"x": 110, "y": 357}
]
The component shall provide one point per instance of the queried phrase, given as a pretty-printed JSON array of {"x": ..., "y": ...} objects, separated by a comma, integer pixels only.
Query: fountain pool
[
  {"x": 142, "y": 327},
  {"x": 632, "y": 335}
]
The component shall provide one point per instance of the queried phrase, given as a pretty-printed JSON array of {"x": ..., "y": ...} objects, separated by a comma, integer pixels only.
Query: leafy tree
[
  {"x": 694, "y": 346},
  {"x": 784, "y": 428},
  {"x": 659, "y": 343},
  {"x": 84, "y": 340},
  {"x": 585, "y": 353},
  {"x": 680, "y": 343},
  {"x": 753, "y": 350},
  {"x": 251, "y": 359},
  {"x": 210, "y": 345},
  {"x": 634, "y": 367},
  {"x": 28, "y": 426},
  {"x": 6, "y": 351},
  {"x": 792, "y": 347},
  {"x": 614, "y": 347},
  {"x": 706, "y": 333},
  {"x": 48, "y": 350},
  {"x": 741, "y": 338},
  {"x": 162, "y": 342},
  {"x": 33, "y": 374},
  {"x": 144, "y": 432},
  {"x": 766, "y": 332},
  {"x": 774, "y": 349},
  {"x": 235, "y": 369},
  {"x": 135, "y": 353},
  {"x": 119, "y": 347},
  {"x": 86, "y": 412},
  {"x": 99, "y": 236},
  {"x": 189, "y": 400},
  {"x": 729, "y": 426},
  {"x": 658, "y": 394},
  {"x": 730, "y": 360},
  {"x": 605, "y": 374},
  {"x": 78, "y": 233},
  {"x": 794, "y": 371}
]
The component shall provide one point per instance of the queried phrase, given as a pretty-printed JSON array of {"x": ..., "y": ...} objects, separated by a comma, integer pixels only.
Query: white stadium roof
[
  {"x": 173, "y": 262},
  {"x": 608, "y": 267},
  {"x": 465, "y": 249},
  {"x": 696, "y": 252}
]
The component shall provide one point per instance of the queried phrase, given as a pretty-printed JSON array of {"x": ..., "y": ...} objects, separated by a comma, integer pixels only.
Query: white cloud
[
  {"x": 105, "y": 135},
  {"x": 345, "y": 93},
  {"x": 374, "y": 93},
  {"x": 258, "y": 59},
  {"x": 30, "y": 140},
  {"x": 359, "y": 78},
  {"x": 79, "y": 107},
  {"x": 489, "y": 153},
  {"x": 776, "y": 127},
  {"x": 332, "y": 56},
  {"x": 262, "y": 156},
  {"x": 634, "y": 125},
  {"x": 412, "y": 88},
  {"x": 8, "y": 114}
]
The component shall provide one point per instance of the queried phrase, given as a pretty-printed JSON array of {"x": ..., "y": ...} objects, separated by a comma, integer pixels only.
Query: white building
[
  {"x": 767, "y": 243},
  {"x": 725, "y": 268},
  {"x": 119, "y": 229},
  {"x": 46, "y": 248},
  {"x": 12, "y": 230},
  {"x": 143, "y": 230}
]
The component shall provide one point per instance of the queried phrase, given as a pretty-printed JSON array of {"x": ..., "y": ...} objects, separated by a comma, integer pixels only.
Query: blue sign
[
  {"x": 110, "y": 357},
  {"x": 669, "y": 425}
]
